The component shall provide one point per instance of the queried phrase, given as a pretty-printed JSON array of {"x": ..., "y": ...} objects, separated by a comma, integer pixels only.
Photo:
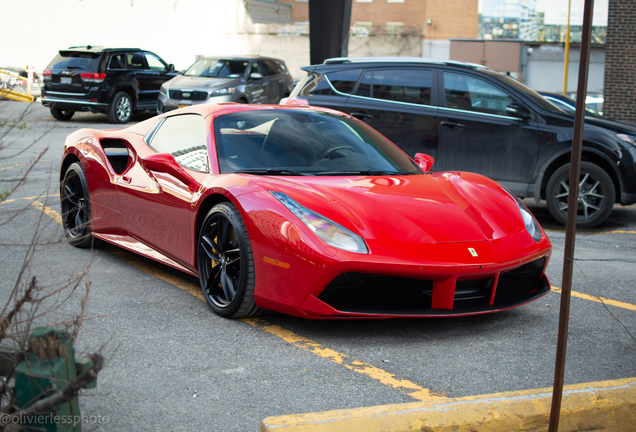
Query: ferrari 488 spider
[{"x": 301, "y": 210}]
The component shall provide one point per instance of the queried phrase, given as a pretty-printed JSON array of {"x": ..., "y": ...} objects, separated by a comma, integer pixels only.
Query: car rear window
[{"x": 76, "y": 60}]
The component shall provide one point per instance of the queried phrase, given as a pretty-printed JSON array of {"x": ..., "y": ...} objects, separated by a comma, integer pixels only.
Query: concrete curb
[{"x": 602, "y": 406}]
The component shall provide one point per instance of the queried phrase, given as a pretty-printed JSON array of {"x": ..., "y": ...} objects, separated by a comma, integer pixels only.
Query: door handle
[
  {"x": 452, "y": 125},
  {"x": 126, "y": 179},
  {"x": 362, "y": 116}
]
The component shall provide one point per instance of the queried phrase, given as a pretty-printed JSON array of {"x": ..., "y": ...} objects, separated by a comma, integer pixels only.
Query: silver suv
[{"x": 248, "y": 79}]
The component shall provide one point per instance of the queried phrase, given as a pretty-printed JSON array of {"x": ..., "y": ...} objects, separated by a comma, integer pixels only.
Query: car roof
[
  {"x": 96, "y": 49},
  {"x": 240, "y": 57},
  {"x": 412, "y": 60}
]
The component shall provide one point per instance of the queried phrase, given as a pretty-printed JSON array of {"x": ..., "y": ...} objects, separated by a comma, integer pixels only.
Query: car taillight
[
  {"x": 93, "y": 77},
  {"x": 47, "y": 75},
  {"x": 293, "y": 101}
]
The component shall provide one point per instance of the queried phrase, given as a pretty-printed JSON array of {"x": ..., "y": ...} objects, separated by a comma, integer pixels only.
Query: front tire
[
  {"x": 76, "y": 207},
  {"x": 596, "y": 195},
  {"x": 226, "y": 264},
  {"x": 59, "y": 114},
  {"x": 120, "y": 108}
]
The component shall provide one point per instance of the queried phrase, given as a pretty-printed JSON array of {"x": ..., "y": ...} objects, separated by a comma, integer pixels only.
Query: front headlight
[
  {"x": 223, "y": 91},
  {"x": 532, "y": 226},
  {"x": 330, "y": 232}
]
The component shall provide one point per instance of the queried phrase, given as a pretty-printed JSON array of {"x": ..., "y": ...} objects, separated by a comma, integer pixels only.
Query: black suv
[
  {"x": 114, "y": 81},
  {"x": 471, "y": 118}
]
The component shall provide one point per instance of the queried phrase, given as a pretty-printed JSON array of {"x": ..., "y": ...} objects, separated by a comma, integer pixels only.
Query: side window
[
  {"x": 117, "y": 61},
  {"x": 136, "y": 60},
  {"x": 154, "y": 63},
  {"x": 316, "y": 84},
  {"x": 271, "y": 68},
  {"x": 257, "y": 68},
  {"x": 473, "y": 94},
  {"x": 184, "y": 137},
  {"x": 401, "y": 85},
  {"x": 344, "y": 81}
]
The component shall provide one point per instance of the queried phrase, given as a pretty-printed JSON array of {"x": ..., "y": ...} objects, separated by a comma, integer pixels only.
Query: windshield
[
  {"x": 76, "y": 60},
  {"x": 295, "y": 142},
  {"x": 217, "y": 68}
]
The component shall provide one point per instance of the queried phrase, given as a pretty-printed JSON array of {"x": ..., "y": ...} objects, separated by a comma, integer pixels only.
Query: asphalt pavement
[{"x": 174, "y": 365}]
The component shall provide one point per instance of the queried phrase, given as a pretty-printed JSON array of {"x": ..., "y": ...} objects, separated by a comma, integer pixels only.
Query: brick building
[
  {"x": 620, "y": 61},
  {"x": 432, "y": 19}
]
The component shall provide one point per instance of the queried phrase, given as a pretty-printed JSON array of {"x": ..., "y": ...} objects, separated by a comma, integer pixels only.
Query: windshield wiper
[
  {"x": 269, "y": 171},
  {"x": 361, "y": 172}
]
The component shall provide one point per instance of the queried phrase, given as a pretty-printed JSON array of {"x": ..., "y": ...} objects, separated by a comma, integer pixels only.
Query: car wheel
[
  {"x": 61, "y": 114},
  {"x": 76, "y": 207},
  {"x": 120, "y": 108},
  {"x": 596, "y": 195},
  {"x": 226, "y": 264}
]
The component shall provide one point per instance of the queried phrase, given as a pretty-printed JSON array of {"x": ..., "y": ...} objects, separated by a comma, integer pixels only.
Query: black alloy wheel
[
  {"x": 120, "y": 108},
  {"x": 596, "y": 195},
  {"x": 226, "y": 264},
  {"x": 76, "y": 207}
]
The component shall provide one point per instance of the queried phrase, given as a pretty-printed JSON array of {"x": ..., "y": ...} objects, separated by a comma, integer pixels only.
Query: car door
[
  {"x": 478, "y": 134},
  {"x": 256, "y": 83},
  {"x": 150, "y": 72},
  {"x": 397, "y": 103},
  {"x": 155, "y": 195}
]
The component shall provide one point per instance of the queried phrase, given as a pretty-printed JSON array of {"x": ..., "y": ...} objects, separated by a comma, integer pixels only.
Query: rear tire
[
  {"x": 596, "y": 195},
  {"x": 120, "y": 108},
  {"x": 61, "y": 114},
  {"x": 76, "y": 208}
]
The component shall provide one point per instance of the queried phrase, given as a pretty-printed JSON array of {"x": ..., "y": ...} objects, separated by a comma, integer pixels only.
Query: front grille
[
  {"x": 189, "y": 95},
  {"x": 520, "y": 281},
  {"x": 381, "y": 294},
  {"x": 359, "y": 292}
]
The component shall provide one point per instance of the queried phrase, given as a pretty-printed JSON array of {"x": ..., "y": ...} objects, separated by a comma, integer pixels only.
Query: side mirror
[
  {"x": 424, "y": 161},
  {"x": 170, "y": 67},
  {"x": 166, "y": 163},
  {"x": 256, "y": 76},
  {"x": 519, "y": 111}
]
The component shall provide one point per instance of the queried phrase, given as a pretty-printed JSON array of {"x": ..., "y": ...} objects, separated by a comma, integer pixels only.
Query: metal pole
[
  {"x": 567, "y": 52},
  {"x": 570, "y": 229}
]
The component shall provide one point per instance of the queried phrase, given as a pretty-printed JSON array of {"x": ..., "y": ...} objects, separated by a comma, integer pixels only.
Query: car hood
[
  {"x": 203, "y": 83},
  {"x": 613, "y": 125},
  {"x": 435, "y": 208}
]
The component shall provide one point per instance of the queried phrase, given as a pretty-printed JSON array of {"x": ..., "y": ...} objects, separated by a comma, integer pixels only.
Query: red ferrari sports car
[{"x": 301, "y": 210}]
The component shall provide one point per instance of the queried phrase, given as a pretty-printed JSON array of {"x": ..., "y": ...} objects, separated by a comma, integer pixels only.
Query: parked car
[
  {"x": 114, "y": 81},
  {"x": 246, "y": 79},
  {"x": 567, "y": 104},
  {"x": 229, "y": 193},
  {"x": 471, "y": 118}
]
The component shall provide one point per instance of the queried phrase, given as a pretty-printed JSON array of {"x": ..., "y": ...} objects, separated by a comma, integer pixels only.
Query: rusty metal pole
[{"x": 570, "y": 229}]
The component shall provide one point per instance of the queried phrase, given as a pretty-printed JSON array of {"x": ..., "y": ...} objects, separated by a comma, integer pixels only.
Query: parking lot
[{"x": 174, "y": 365}]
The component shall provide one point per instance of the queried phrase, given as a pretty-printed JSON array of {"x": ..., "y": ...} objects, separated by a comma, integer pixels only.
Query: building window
[
  {"x": 364, "y": 1},
  {"x": 394, "y": 29},
  {"x": 362, "y": 28},
  {"x": 395, "y": 1}
]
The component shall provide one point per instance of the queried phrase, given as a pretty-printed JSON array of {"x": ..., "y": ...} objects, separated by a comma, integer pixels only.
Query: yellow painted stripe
[
  {"x": 597, "y": 299},
  {"x": 617, "y": 232},
  {"x": 12, "y": 166},
  {"x": 405, "y": 386},
  {"x": 29, "y": 198},
  {"x": 48, "y": 211}
]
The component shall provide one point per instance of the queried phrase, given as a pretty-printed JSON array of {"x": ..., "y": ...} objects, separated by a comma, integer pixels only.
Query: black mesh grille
[
  {"x": 117, "y": 154},
  {"x": 359, "y": 292},
  {"x": 520, "y": 281},
  {"x": 190, "y": 95}
]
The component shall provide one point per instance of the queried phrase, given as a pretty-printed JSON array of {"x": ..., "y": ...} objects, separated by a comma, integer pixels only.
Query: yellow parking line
[
  {"x": 405, "y": 386},
  {"x": 29, "y": 198},
  {"x": 597, "y": 299},
  {"x": 12, "y": 166},
  {"x": 48, "y": 211}
]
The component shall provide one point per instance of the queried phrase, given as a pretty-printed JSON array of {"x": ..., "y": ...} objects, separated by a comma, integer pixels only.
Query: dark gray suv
[{"x": 471, "y": 118}]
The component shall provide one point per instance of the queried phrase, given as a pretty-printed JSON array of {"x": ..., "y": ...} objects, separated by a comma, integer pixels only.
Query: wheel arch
[
  {"x": 588, "y": 155},
  {"x": 206, "y": 205},
  {"x": 69, "y": 160},
  {"x": 126, "y": 89}
]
